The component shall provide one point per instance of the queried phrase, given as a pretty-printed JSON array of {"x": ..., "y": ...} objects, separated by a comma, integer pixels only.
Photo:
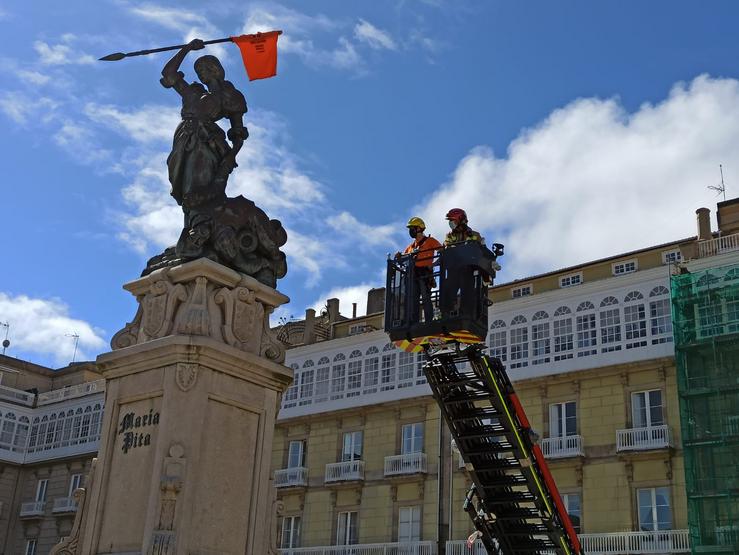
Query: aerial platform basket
[{"x": 462, "y": 272}]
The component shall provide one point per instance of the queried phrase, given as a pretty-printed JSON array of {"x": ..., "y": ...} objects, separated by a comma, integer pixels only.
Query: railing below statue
[{"x": 446, "y": 300}]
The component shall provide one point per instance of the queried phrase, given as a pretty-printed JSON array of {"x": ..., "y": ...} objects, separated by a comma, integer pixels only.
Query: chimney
[
  {"x": 376, "y": 300},
  {"x": 309, "y": 331},
  {"x": 333, "y": 310},
  {"x": 354, "y": 310},
  {"x": 704, "y": 224}
]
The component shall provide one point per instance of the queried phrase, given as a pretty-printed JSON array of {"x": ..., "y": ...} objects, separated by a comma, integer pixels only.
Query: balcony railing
[
  {"x": 409, "y": 548},
  {"x": 291, "y": 477},
  {"x": 344, "y": 471},
  {"x": 34, "y": 508},
  {"x": 409, "y": 463},
  {"x": 64, "y": 505},
  {"x": 616, "y": 543},
  {"x": 712, "y": 247},
  {"x": 16, "y": 395},
  {"x": 562, "y": 447},
  {"x": 641, "y": 439},
  {"x": 79, "y": 390}
]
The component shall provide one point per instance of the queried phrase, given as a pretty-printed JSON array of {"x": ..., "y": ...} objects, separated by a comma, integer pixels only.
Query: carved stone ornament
[
  {"x": 186, "y": 375},
  {"x": 206, "y": 299},
  {"x": 164, "y": 537}
]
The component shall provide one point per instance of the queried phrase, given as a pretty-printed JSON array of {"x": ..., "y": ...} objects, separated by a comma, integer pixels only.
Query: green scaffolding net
[{"x": 705, "y": 310}]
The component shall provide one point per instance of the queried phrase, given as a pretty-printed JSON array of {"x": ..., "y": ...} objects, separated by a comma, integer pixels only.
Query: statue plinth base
[{"x": 184, "y": 459}]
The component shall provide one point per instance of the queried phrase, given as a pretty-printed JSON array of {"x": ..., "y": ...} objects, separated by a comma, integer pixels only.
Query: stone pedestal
[{"x": 193, "y": 389}]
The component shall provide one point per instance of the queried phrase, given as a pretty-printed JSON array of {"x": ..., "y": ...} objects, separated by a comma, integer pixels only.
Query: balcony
[
  {"x": 562, "y": 447},
  {"x": 17, "y": 396},
  {"x": 409, "y": 548},
  {"x": 291, "y": 477},
  {"x": 643, "y": 439},
  {"x": 32, "y": 509},
  {"x": 409, "y": 463},
  {"x": 720, "y": 245},
  {"x": 64, "y": 505},
  {"x": 348, "y": 471},
  {"x": 616, "y": 543},
  {"x": 71, "y": 392}
]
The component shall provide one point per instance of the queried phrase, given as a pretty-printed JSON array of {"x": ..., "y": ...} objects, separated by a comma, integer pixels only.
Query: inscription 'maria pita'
[{"x": 231, "y": 231}]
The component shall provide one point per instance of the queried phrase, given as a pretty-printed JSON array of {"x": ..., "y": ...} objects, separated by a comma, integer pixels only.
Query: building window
[
  {"x": 406, "y": 369},
  {"x": 338, "y": 377},
  {"x": 654, "y": 509},
  {"x": 659, "y": 316},
  {"x": 519, "y": 342},
  {"x": 371, "y": 370},
  {"x": 646, "y": 409},
  {"x": 354, "y": 377},
  {"x": 610, "y": 326},
  {"x": 352, "y": 447},
  {"x": 306, "y": 383},
  {"x": 626, "y": 267},
  {"x": 296, "y": 454},
  {"x": 412, "y": 438},
  {"x": 420, "y": 374},
  {"x": 322, "y": 380},
  {"x": 498, "y": 347},
  {"x": 540, "y": 342},
  {"x": 41, "y": 490},
  {"x": 672, "y": 257},
  {"x": 30, "y": 547},
  {"x": 75, "y": 481},
  {"x": 572, "y": 279},
  {"x": 586, "y": 331},
  {"x": 563, "y": 419},
  {"x": 522, "y": 291},
  {"x": 290, "y": 535},
  {"x": 571, "y": 502},
  {"x": 291, "y": 395},
  {"x": 409, "y": 524},
  {"x": 346, "y": 528},
  {"x": 563, "y": 343},
  {"x": 635, "y": 320},
  {"x": 387, "y": 369}
]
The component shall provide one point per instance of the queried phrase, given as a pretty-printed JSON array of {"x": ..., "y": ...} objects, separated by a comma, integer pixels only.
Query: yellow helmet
[{"x": 415, "y": 221}]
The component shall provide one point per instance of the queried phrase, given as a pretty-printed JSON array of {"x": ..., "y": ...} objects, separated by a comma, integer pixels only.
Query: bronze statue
[{"x": 231, "y": 231}]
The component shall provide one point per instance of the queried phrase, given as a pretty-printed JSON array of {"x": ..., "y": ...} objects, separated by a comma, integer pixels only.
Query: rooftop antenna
[
  {"x": 6, "y": 341},
  {"x": 76, "y": 340},
  {"x": 721, "y": 188}
]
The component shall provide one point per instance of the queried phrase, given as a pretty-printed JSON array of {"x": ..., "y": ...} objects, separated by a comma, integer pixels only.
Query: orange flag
[{"x": 259, "y": 53}]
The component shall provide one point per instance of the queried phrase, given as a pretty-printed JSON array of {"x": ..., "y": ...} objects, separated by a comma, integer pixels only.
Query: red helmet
[{"x": 457, "y": 215}]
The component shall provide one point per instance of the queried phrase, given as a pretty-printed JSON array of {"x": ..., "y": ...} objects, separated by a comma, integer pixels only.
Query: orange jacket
[{"x": 425, "y": 249}]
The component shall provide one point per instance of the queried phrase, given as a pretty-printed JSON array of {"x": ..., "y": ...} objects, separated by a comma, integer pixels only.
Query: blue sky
[{"x": 569, "y": 130}]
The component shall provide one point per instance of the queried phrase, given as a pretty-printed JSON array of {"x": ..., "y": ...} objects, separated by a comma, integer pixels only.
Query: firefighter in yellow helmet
[{"x": 422, "y": 250}]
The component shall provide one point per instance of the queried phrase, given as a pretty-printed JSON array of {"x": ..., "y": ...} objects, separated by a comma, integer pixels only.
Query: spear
[{"x": 120, "y": 55}]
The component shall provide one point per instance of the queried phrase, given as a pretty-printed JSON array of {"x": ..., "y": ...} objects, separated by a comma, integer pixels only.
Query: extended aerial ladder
[{"x": 513, "y": 502}]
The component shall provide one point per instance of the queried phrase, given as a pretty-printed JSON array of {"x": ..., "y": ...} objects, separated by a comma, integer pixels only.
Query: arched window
[
  {"x": 291, "y": 395},
  {"x": 67, "y": 433},
  {"x": 371, "y": 370},
  {"x": 586, "y": 329},
  {"x": 658, "y": 291},
  {"x": 97, "y": 413},
  {"x": 21, "y": 434},
  {"x": 519, "y": 342},
  {"x": 563, "y": 337},
  {"x": 354, "y": 374},
  {"x": 406, "y": 369},
  {"x": 8, "y": 429},
  {"x": 33, "y": 438},
  {"x": 635, "y": 320},
  {"x": 387, "y": 367},
  {"x": 76, "y": 426},
  {"x": 610, "y": 325},
  {"x": 540, "y": 342},
  {"x": 307, "y": 381},
  {"x": 323, "y": 369},
  {"x": 338, "y": 377},
  {"x": 732, "y": 274},
  {"x": 60, "y": 420},
  {"x": 49, "y": 439},
  {"x": 86, "y": 420},
  {"x": 498, "y": 343},
  {"x": 707, "y": 280}
]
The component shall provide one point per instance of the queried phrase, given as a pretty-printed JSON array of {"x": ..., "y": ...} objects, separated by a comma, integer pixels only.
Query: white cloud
[
  {"x": 372, "y": 236},
  {"x": 21, "y": 107},
  {"x": 33, "y": 77},
  {"x": 146, "y": 124},
  {"x": 375, "y": 38},
  {"x": 44, "y": 326},
  {"x": 347, "y": 296},
  {"x": 593, "y": 180},
  {"x": 60, "y": 54}
]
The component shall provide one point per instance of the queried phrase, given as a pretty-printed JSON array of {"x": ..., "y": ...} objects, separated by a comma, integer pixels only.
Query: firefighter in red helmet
[{"x": 459, "y": 230}]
